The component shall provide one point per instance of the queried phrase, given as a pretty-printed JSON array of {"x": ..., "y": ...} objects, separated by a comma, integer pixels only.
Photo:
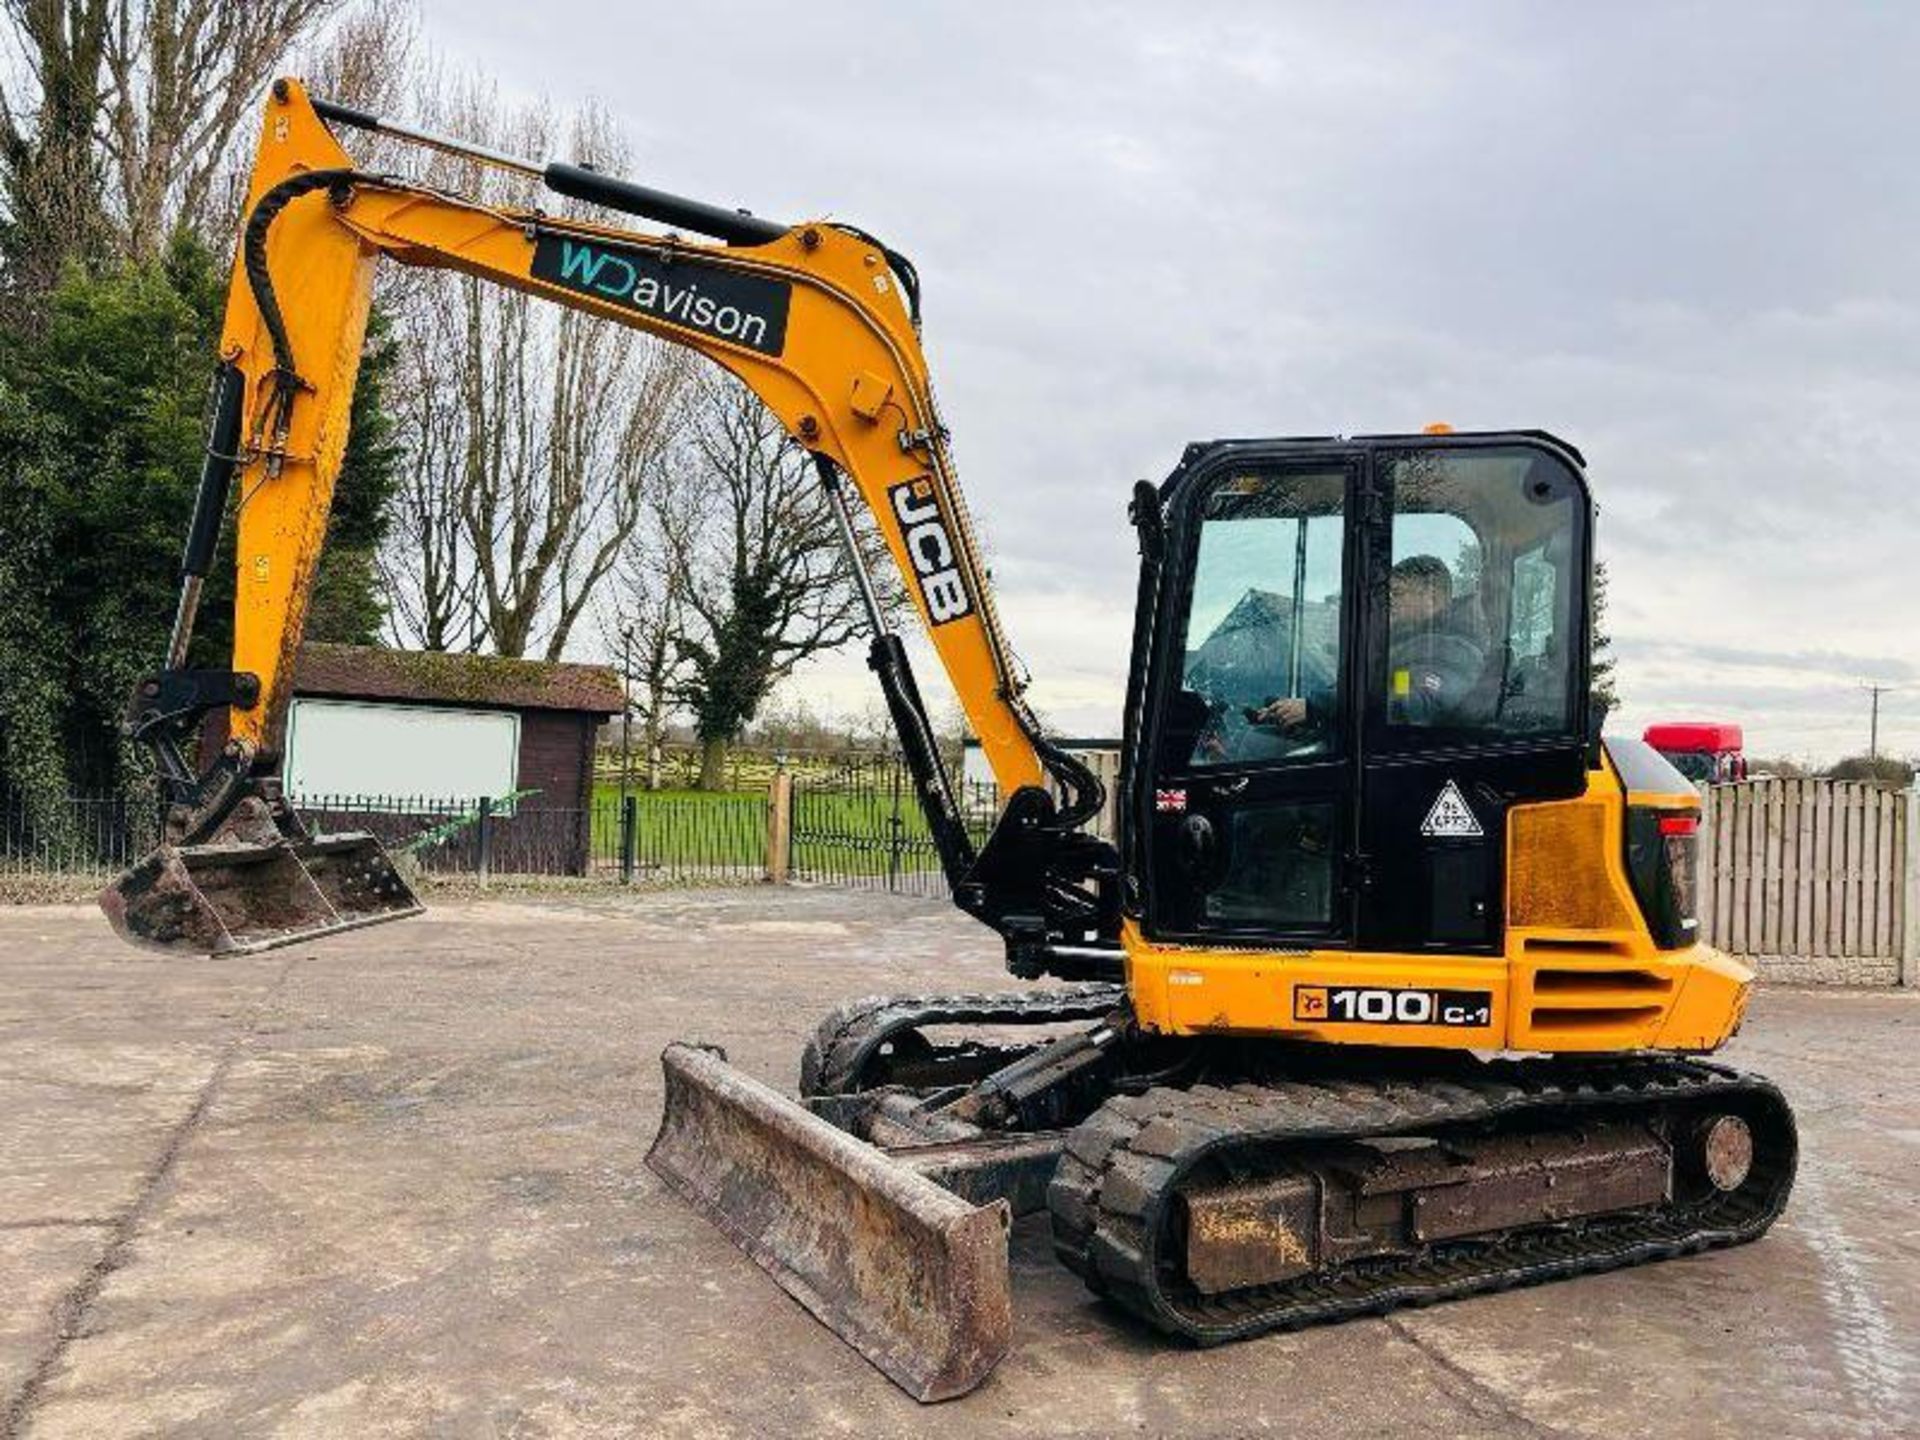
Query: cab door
[
  {"x": 1475, "y": 678},
  {"x": 1250, "y": 821}
]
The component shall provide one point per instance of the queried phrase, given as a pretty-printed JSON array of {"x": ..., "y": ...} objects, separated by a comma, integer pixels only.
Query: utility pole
[{"x": 1873, "y": 725}]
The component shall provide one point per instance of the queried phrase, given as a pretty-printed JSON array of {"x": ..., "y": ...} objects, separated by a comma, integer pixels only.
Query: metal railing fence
[
  {"x": 82, "y": 835},
  {"x": 860, "y": 825},
  {"x": 658, "y": 839},
  {"x": 1812, "y": 869}
]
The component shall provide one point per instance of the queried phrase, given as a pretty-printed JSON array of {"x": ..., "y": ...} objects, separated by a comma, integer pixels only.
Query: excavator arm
[{"x": 818, "y": 319}]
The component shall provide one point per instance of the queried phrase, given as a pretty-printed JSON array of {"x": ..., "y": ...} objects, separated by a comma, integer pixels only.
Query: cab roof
[{"x": 1417, "y": 437}]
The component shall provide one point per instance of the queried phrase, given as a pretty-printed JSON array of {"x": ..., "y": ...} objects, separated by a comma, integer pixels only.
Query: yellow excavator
[{"x": 1391, "y": 990}]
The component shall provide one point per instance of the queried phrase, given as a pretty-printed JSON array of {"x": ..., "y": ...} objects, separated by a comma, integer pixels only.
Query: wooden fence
[{"x": 1813, "y": 879}]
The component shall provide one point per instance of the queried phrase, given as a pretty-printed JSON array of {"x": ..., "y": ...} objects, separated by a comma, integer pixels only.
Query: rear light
[{"x": 1663, "y": 862}]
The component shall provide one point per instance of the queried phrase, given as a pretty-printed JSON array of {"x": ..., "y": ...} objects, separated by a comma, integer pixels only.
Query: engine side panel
[{"x": 1579, "y": 971}]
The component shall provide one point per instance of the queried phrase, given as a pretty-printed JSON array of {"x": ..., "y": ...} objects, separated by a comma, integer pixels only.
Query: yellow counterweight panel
[
  {"x": 1586, "y": 974},
  {"x": 1584, "y": 971},
  {"x": 1711, "y": 1004},
  {"x": 1580, "y": 971}
]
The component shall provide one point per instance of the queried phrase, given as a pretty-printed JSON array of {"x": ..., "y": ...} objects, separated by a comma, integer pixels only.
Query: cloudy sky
[{"x": 1681, "y": 236}]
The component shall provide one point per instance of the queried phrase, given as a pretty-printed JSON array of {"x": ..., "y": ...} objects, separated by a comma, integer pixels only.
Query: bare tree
[
  {"x": 644, "y": 627},
  {"x": 48, "y": 116},
  {"x": 768, "y": 580},
  {"x": 124, "y": 116},
  {"x": 560, "y": 423},
  {"x": 870, "y": 727},
  {"x": 556, "y": 475},
  {"x": 427, "y": 570},
  {"x": 182, "y": 77},
  {"x": 366, "y": 60}
]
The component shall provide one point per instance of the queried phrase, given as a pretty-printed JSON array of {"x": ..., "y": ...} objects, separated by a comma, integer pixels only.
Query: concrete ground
[{"x": 393, "y": 1185}]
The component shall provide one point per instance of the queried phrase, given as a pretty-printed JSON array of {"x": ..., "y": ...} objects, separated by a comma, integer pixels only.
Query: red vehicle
[{"x": 1707, "y": 752}]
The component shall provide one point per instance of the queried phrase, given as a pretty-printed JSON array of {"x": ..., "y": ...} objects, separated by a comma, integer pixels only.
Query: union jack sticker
[{"x": 1170, "y": 801}]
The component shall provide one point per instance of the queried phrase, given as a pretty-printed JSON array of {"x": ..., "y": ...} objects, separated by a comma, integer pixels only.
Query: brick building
[{"x": 416, "y": 726}]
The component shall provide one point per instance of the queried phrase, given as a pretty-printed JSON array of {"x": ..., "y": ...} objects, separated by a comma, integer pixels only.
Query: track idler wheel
[{"x": 1724, "y": 1152}]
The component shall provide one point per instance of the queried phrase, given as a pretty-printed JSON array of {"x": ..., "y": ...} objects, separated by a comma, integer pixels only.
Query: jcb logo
[{"x": 926, "y": 540}]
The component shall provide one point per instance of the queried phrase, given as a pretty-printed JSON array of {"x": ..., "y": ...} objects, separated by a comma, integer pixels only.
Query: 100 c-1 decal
[{"x": 1386, "y": 1005}]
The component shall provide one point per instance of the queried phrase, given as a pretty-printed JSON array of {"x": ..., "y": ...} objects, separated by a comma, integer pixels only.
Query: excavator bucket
[
  {"x": 908, "y": 1273},
  {"x": 240, "y": 897}
]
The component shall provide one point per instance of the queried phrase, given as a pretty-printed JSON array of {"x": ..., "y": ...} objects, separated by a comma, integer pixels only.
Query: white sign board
[{"x": 364, "y": 747}]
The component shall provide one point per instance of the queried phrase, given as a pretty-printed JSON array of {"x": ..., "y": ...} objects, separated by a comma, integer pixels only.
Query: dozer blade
[
  {"x": 238, "y": 898},
  {"x": 908, "y": 1273}
]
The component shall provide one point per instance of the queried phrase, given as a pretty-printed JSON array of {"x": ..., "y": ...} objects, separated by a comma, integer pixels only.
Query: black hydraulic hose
[
  {"x": 577, "y": 182},
  {"x": 1085, "y": 791},
  {"x": 584, "y": 182},
  {"x": 209, "y": 513},
  {"x": 253, "y": 251},
  {"x": 901, "y": 266},
  {"x": 334, "y": 112}
]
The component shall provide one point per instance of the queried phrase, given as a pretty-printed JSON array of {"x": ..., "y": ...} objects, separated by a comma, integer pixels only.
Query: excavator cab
[{"x": 1359, "y": 655}]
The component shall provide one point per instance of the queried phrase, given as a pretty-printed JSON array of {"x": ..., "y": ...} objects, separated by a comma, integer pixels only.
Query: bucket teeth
[
  {"x": 906, "y": 1272},
  {"x": 240, "y": 897}
]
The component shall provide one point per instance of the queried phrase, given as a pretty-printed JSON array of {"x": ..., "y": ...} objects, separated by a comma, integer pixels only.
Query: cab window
[
  {"x": 1260, "y": 654},
  {"x": 1482, "y": 605}
]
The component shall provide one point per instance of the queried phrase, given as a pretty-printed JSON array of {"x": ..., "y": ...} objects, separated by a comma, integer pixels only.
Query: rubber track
[
  {"x": 848, "y": 1039},
  {"x": 1109, "y": 1197}
]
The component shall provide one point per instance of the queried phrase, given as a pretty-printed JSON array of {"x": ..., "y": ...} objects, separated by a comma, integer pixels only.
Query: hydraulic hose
[{"x": 253, "y": 251}]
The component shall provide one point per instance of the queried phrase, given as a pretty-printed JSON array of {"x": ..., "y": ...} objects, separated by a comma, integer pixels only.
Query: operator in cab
[{"x": 1433, "y": 665}]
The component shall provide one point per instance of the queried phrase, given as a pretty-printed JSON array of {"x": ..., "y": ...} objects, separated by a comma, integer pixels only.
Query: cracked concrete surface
[{"x": 391, "y": 1185}]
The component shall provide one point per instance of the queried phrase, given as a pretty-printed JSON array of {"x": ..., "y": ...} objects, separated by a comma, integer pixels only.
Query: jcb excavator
[{"x": 1391, "y": 990}]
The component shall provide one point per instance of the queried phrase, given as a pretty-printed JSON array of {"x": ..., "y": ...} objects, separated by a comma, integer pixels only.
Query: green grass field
[{"x": 835, "y": 832}]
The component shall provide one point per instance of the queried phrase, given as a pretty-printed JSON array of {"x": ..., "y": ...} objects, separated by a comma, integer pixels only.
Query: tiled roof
[{"x": 369, "y": 672}]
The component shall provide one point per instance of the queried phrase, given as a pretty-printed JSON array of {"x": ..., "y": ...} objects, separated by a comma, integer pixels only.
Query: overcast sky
[{"x": 1684, "y": 237}]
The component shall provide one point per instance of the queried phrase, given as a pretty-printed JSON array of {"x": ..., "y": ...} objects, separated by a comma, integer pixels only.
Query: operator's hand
[{"x": 1287, "y": 714}]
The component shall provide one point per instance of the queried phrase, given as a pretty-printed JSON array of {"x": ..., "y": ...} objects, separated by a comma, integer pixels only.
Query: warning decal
[{"x": 1451, "y": 818}]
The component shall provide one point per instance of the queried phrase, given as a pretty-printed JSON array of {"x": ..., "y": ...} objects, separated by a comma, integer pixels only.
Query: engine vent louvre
[{"x": 1580, "y": 987}]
